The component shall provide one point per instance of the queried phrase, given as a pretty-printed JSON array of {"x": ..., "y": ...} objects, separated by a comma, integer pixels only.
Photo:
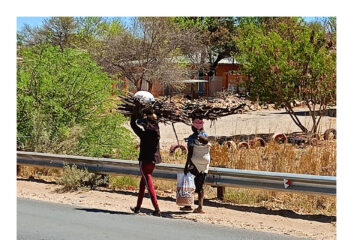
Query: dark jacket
[{"x": 149, "y": 142}]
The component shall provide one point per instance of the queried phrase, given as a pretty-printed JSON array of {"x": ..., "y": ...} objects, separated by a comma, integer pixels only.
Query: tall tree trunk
[
  {"x": 138, "y": 84},
  {"x": 322, "y": 110},
  {"x": 213, "y": 66},
  {"x": 150, "y": 86},
  {"x": 296, "y": 120},
  {"x": 315, "y": 119}
]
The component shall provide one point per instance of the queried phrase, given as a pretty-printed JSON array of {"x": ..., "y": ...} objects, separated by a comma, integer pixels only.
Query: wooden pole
[
  {"x": 220, "y": 193},
  {"x": 192, "y": 92},
  {"x": 126, "y": 85},
  {"x": 207, "y": 85}
]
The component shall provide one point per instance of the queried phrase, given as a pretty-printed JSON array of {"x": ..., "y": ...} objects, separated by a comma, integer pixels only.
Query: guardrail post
[{"x": 220, "y": 192}]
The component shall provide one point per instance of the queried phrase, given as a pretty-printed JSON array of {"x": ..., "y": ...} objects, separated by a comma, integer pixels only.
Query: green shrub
[
  {"x": 55, "y": 91},
  {"x": 63, "y": 103},
  {"x": 107, "y": 135},
  {"x": 74, "y": 179}
]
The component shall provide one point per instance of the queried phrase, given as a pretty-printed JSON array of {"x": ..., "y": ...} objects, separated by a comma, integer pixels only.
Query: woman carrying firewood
[
  {"x": 198, "y": 160},
  {"x": 148, "y": 157}
]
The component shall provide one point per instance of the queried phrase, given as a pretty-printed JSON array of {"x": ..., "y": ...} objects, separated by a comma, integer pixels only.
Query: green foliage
[
  {"x": 289, "y": 60},
  {"x": 106, "y": 135},
  {"x": 123, "y": 182},
  {"x": 75, "y": 32},
  {"x": 56, "y": 90},
  {"x": 283, "y": 59},
  {"x": 74, "y": 179},
  {"x": 61, "y": 100},
  {"x": 88, "y": 28},
  {"x": 217, "y": 37},
  {"x": 90, "y": 31},
  {"x": 218, "y": 32},
  {"x": 113, "y": 28}
]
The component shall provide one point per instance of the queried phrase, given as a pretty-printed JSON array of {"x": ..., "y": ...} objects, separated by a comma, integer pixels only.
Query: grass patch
[
  {"x": 246, "y": 196},
  {"x": 300, "y": 203},
  {"x": 123, "y": 182}
]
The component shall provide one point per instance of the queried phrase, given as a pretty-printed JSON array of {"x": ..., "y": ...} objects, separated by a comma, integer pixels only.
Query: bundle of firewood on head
[
  {"x": 143, "y": 103},
  {"x": 138, "y": 105}
]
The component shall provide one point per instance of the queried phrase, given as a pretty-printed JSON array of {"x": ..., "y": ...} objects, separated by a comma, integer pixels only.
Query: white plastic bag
[
  {"x": 185, "y": 189},
  {"x": 144, "y": 96}
]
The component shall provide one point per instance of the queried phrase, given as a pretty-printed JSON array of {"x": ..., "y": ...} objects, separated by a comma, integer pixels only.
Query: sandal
[
  {"x": 135, "y": 209},
  {"x": 157, "y": 213},
  {"x": 198, "y": 210},
  {"x": 186, "y": 208}
]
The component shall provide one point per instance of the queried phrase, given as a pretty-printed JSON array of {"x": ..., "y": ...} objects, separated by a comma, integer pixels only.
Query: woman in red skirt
[{"x": 148, "y": 157}]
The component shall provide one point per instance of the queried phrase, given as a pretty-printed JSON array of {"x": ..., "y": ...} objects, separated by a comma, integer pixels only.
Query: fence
[{"x": 219, "y": 177}]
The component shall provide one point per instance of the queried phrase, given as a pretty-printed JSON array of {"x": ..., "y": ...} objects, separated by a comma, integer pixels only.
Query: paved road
[{"x": 37, "y": 220}]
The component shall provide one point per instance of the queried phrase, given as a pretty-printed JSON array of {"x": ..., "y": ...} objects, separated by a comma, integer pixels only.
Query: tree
[
  {"x": 152, "y": 50},
  {"x": 56, "y": 30},
  {"x": 288, "y": 59},
  {"x": 74, "y": 32},
  {"x": 63, "y": 96},
  {"x": 217, "y": 34},
  {"x": 55, "y": 91},
  {"x": 90, "y": 31}
]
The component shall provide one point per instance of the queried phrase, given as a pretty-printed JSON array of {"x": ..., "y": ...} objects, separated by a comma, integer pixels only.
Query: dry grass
[
  {"x": 297, "y": 202},
  {"x": 315, "y": 160},
  {"x": 176, "y": 158},
  {"x": 49, "y": 174}
]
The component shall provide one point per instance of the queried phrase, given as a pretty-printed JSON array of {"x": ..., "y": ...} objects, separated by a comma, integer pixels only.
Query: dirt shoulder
[{"x": 231, "y": 215}]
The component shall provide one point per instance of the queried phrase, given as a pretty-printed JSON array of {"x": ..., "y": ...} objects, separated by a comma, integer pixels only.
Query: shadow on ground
[
  {"x": 96, "y": 210},
  {"x": 144, "y": 211},
  {"x": 217, "y": 204},
  {"x": 207, "y": 203},
  {"x": 263, "y": 210},
  {"x": 32, "y": 179}
]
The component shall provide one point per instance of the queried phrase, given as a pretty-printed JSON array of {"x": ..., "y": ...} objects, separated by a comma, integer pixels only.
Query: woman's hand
[
  {"x": 135, "y": 115},
  {"x": 186, "y": 170},
  {"x": 203, "y": 140}
]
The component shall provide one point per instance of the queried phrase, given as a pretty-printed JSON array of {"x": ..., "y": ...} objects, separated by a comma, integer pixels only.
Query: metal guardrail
[{"x": 220, "y": 177}]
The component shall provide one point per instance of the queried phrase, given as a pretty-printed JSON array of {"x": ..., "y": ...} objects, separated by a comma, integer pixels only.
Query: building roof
[
  {"x": 192, "y": 81},
  {"x": 228, "y": 61}
]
